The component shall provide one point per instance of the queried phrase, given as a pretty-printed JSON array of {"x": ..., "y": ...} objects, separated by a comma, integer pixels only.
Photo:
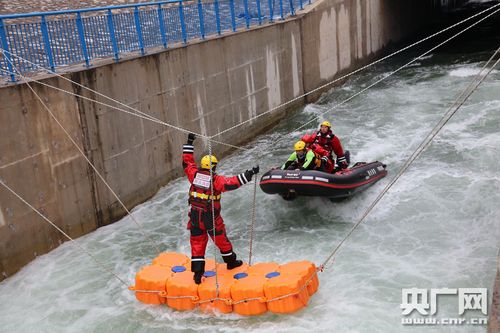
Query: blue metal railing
[{"x": 56, "y": 39}]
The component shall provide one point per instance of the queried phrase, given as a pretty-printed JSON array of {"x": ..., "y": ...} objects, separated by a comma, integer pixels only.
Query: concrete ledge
[{"x": 494, "y": 322}]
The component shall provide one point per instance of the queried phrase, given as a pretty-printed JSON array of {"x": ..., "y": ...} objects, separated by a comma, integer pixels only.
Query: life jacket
[
  {"x": 301, "y": 160},
  {"x": 324, "y": 140},
  {"x": 200, "y": 192},
  {"x": 315, "y": 164},
  {"x": 317, "y": 160}
]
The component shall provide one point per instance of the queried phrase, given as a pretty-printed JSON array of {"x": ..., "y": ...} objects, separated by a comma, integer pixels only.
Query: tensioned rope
[
  {"x": 142, "y": 115},
  {"x": 462, "y": 98},
  {"x": 62, "y": 232},
  {"x": 141, "y": 228},
  {"x": 252, "y": 224},
  {"x": 468, "y": 92},
  {"x": 134, "y": 112},
  {"x": 128, "y": 212},
  {"x": 213, "y": 218},
  {"x": 353, "y": 72},
  {"x": 149, "y": 117},
  {"x": 389, "y": 75},
  {"x": 145, "y": 116},
  {"x": 347, "y": 100},
  {"x": 161, "y": 122},
  {"x": 160, "y": 293}
]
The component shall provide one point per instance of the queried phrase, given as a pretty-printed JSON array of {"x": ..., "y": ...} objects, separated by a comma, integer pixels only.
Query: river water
[{"x": 437, "y": 227}]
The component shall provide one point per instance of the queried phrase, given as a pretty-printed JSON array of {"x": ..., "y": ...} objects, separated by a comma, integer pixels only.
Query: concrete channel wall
[
  {"x": 206, "y": 86},
  {"x": 494, "y": 308}
]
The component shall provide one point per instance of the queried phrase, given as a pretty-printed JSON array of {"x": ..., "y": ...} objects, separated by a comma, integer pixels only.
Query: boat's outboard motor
[{"x": 289, "y": 196}]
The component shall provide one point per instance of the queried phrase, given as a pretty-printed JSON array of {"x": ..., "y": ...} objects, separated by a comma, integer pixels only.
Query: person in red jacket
[
  {"x": 324, "y": 155},
  {"x": 202, "y": 200},
  {"x": 330, "y": 142}
]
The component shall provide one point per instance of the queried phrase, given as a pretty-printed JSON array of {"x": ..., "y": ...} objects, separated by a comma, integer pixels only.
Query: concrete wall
[
  {"x": 339, "y": 36},
  {"x": 205, "y": 86},
  {"x": 494, "y": 321}
]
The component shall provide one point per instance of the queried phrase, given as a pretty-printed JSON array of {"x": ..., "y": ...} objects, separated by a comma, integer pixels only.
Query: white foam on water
[{"x": 468, "y": 71}]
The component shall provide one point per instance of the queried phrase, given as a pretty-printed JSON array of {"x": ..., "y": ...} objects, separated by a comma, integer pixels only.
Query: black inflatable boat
[{"x": 292, "y": 183}]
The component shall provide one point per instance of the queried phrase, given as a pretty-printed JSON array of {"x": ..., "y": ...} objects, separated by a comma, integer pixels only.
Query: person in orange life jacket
[
  {"x": 201, "y": 200},
  {"x": 322, "y": 154},
  {"x": 327, "y": 140}
]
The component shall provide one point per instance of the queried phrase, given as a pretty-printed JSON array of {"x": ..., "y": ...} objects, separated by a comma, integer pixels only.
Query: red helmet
[{"x": 307, "y": 138}]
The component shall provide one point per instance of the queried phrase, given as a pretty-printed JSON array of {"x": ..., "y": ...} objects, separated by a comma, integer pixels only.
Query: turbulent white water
[{"x": 436, "y": 228}]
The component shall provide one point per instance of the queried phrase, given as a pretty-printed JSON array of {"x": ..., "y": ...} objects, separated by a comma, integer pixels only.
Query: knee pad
[
  {"x": 196, "y": 231},
  {"x": 217, "y": 232}
]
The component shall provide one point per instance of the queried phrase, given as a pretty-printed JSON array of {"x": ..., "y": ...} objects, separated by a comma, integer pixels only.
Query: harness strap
[{"x": 204, "y": 196}]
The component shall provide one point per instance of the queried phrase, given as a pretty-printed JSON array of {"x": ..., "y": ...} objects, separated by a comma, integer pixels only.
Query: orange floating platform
[{"x": 246, "y": 290}]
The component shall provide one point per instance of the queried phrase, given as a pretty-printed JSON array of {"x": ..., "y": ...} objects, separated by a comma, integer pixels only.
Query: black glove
[
  {"x": 248, "y": 175},
  {"x": 191, "y": 138},
  {"x": 324, "y": 159},
  {"x": 255, "y": 169}
]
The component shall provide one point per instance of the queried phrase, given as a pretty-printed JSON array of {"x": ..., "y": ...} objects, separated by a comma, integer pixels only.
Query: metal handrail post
[
  {"x": 111, "y": 29},
  {"x": 247, "y": 14},
  {"x": 259, "y": 12},
  {"x": 217, "y": 16},
  {"x": 6, "y": 52},
  {"x": 46, "y": 42},
  {"x": 183, "y": 24},
  {"x": 83, "y": 42},
  {"x": 233, "y": 15},
  {"x": 163, "y": 31},
  {"x": 138, "y": 29}
]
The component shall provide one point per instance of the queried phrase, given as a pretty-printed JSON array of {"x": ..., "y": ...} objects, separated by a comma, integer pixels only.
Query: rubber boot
[
  {"x": 197, "y": 277},
  {"x": 198, "y": 268},
  {"x": 231, "y": 261},
  {"x": 234, "y": 264}
]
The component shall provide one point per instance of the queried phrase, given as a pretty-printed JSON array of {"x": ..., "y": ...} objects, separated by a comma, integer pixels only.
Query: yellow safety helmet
[
  {"x": 299, "y": 145},
  {"x": 326, "y": 123},
  {"x": 206, "y": 160}
]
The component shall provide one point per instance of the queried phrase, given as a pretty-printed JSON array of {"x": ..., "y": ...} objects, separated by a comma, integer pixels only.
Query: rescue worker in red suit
[
  {"x": 330, "y": 142},
  {"x": 201, "y": 216},
  {"x": 322, "y": 154}
]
